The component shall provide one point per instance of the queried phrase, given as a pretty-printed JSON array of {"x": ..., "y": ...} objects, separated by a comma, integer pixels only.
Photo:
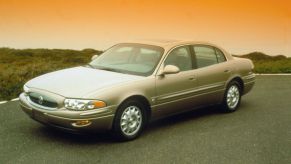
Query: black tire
[
  {"x": 232, "y": 97},
  {"x": 118, "y": 131}
]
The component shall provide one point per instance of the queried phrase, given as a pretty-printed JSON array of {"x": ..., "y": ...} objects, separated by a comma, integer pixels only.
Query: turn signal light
[{"x": 96, "y": 104}]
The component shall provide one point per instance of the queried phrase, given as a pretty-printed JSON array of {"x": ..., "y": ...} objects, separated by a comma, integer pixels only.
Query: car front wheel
[{"x": 129, "y": 121}]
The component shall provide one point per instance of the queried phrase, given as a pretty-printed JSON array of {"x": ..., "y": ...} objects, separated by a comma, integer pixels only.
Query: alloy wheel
[{"x": 131, "y": 120}]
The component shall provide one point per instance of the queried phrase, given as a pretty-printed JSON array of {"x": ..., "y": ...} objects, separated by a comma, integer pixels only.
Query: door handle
[
  {"x": 227, "y": 71},
  {"x": 192, "y": 78}
]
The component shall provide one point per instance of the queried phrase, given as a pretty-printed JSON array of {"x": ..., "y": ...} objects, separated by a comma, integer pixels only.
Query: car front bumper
[{"x": 93, "y": 120}]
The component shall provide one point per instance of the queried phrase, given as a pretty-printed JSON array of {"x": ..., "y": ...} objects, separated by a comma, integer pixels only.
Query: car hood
[{"x": 77, "y": 82}]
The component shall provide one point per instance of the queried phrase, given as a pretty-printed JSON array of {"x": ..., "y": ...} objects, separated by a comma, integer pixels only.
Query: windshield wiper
[
  {"x": 109, "y": 69},
  {"x": 103, "y": 68}
]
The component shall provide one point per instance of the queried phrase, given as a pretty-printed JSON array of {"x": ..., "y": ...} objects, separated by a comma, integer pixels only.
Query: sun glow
[{"x": 240, "y": 26}]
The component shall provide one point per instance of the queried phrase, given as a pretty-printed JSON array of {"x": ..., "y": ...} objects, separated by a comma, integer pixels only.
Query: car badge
[{"x": 40, "y": 99}]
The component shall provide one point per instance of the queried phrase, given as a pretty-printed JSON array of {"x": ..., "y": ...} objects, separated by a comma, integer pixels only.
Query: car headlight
[
  {"x": 25, "y": 89},
  {"x": 78, "y": 104}
]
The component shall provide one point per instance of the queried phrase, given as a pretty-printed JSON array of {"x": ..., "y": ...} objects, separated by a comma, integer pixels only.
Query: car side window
[
  {"x": 180, "y": 57},
  {"x": 205, "y": 56},
  {"x": 220, "y": 56}
]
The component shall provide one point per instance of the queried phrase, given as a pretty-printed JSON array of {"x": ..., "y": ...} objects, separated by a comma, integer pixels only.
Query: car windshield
[{"x": 129, "y": 58}]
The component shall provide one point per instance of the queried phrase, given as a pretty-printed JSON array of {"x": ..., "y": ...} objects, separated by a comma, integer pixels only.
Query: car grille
[{"x": 42, "y": 100}]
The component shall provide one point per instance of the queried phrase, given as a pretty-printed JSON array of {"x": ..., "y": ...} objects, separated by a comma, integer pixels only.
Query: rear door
[{"x": 212, "y": 73}]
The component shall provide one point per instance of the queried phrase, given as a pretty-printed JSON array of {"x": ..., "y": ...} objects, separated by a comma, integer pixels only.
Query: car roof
[{"x": 168, "y": 43}]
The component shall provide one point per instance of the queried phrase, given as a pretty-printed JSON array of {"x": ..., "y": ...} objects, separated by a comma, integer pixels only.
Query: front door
[{"x": 174, "y": 90}]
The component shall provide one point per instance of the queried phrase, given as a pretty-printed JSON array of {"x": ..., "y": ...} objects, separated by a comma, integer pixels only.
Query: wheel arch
[
  {"x": 141, "y": 99},
  {"x": 237, "y": 79}
]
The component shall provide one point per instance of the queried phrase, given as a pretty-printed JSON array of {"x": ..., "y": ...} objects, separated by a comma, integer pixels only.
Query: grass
[
  {"x": 18, "y": 66},
  {"x": 269, "y": 64}
]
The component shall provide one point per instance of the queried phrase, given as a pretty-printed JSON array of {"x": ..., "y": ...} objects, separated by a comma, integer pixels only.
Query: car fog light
[{"x": 81, "y": 123}]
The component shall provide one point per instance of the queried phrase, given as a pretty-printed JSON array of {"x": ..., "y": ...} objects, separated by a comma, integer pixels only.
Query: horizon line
[{"x": 105, "y": 49}]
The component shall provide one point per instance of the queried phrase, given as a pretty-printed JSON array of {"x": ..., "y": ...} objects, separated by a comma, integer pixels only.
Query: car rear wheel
[
  {"x": 232, "y": 97},
  {"x": 129, "y": 121}
]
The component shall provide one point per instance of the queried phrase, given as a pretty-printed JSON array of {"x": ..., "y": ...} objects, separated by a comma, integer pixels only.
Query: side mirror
[
  {"x": 170, "y": 69},
  {"x": 94, "y": 57}
]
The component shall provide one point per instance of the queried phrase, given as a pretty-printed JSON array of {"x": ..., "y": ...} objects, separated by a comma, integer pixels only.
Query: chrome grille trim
[{"x": 32, "y": 100}]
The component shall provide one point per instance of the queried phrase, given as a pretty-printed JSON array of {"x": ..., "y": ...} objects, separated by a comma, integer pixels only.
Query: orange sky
[{"x": 240, "y": 26}]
